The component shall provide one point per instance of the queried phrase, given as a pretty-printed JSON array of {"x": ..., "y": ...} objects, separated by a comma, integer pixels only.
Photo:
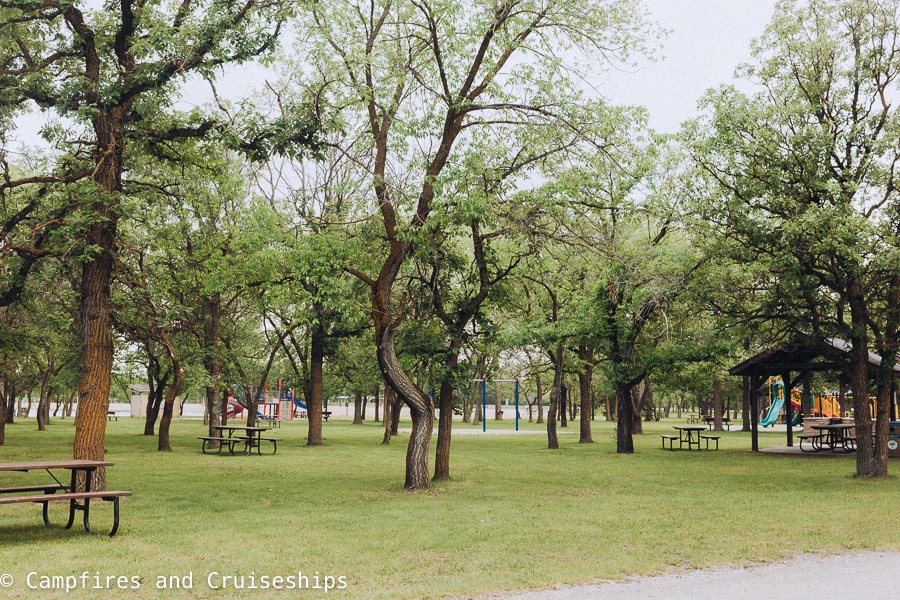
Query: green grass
[{"x": 516, "y": 515}]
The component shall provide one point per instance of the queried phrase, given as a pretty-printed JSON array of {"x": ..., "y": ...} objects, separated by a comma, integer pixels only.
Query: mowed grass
[{"x": 516, "y": 515}]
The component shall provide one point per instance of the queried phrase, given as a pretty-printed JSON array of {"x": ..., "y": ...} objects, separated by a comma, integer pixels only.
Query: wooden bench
[
  {"x": 47, "y": 489},
  {"x": 223, "y": 441},
  {"x": 49, "y": 496},
  {"x": 712, "y": 437},
  {"x": 274, "y": 444},
  {"x": 815, "y": 441},
  {"x": 669, "y": 438}
]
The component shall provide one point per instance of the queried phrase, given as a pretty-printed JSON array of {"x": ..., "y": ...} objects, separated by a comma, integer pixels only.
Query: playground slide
[
  {"x": 234, "y": 409},
  {"x": 299, "y": 403},
  {"x": 772, "y": 417}
]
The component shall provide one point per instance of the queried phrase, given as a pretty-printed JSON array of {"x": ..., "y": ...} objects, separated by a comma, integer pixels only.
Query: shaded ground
[{"x": 863, "y": 575}]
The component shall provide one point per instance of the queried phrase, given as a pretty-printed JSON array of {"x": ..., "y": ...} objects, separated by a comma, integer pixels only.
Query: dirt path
[{"x": 861, "y": 575}]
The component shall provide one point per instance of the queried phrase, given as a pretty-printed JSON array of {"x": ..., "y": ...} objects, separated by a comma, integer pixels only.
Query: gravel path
[{"x": 863, "y": 575}]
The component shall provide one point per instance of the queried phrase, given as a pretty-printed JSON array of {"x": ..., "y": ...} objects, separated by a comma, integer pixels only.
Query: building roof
[{"x": 801, "y": 354}]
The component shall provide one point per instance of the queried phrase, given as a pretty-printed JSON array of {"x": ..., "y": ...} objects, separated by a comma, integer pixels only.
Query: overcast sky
[{"x": 708, "y": 39}]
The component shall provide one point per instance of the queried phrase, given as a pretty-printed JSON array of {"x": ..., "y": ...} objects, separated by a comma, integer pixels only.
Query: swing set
[{"x": 483, "y": 382}]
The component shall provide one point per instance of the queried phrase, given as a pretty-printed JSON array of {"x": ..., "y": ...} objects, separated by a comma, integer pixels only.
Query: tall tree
[
  {"x": 113, "y": 74},
  {"x": 406, "y": 70},
  {"x": 805, "y": 171}
]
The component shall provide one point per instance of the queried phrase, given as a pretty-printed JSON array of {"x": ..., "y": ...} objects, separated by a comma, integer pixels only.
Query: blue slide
[
  {"x": 299, "y": 403},
  {"x": 772, "y": 417}
]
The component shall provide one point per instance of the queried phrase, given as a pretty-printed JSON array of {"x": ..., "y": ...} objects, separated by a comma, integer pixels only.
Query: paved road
[{"x": 868, "y": 575}]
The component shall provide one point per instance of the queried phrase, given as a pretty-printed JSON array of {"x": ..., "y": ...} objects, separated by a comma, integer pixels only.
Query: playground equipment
[
  {"x": 776, "y": 396},
  {"x": 273, "y": 403},
  {"x": 483, "y": 382}
]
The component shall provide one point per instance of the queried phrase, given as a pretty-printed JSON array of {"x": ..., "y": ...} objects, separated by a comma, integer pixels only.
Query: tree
[
  {"x": 404, "y": 71},
  {"x": 805, "y": 175},
  {"x": 113, "y": 73}
]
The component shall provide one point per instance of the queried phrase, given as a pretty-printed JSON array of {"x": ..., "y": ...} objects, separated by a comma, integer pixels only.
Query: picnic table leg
[{"x": 72, "y": 503}]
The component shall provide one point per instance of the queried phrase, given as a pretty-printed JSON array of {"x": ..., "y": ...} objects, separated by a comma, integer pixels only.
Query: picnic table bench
[
  {"x": 326, "y": 414},
  {"x": 111, "y": 416},
  {"x": 59, "y": 492},
  {"x": 251, "y": 440}
]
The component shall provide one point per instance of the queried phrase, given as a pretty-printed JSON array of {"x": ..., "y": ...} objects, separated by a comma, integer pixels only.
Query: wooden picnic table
[
  {"x": 833, "y": 435},
  {"x": 710, "y": 421},
  {"x": 67, "y": 492},
  {"x": 686, "y": 435},
  {"x": 251, "y": 439}
]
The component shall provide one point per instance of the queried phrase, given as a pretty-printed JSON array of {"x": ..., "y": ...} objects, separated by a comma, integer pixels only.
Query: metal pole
[
  {"x": 484, "y": 404},
  {"x": 517, "y": 403}
]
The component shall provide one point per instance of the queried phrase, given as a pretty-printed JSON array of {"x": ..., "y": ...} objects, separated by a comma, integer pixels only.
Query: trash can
[{"x": 894, "y": 439}]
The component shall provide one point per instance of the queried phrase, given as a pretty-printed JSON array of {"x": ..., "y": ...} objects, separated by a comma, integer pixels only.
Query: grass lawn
[{"x": 516, "y": 515}]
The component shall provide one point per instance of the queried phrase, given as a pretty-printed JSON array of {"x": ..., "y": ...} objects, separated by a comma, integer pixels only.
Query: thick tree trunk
[
  {"x": 476, "y": 412},
  {"x": 316, "y": 386},
  {"x": 637, "y": 394},
  {"x": 420, "y": 406},
  {"x": 624, "y": 420},
  {"x": 865, "y": 463},
  {"x": 357, "y": 408},
  {"x": 94, "y": 310}
]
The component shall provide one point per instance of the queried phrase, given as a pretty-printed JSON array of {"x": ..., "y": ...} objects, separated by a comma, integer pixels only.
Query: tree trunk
[
  {"x": 94, "y": 310},
  {"x": 865, "y": 463},
  {"x": 498, "y": 409},
  {"x": 745, "y": 408},
  {"x": 211, "y": 365},
  {"x": 316, "y": 386},
  {"x": 389, "y": 408},
  {"x": 445, "y": 422},
  {"x": 624, "y": 419},
  {"x": 637, "y": 394},
  {"x": 165, "y": 443},
  {"x": 717, "y": 404},
  {"x": 357, "y": 408},
  {"x": 539, "y": 400},
  {"x": 555, "y": 394},
  {"x": 585, "y": 379},
  {"x": 563, "y": 406},
  {"x": 420, "y": 405},
  {"x": 377, "y": 402}
]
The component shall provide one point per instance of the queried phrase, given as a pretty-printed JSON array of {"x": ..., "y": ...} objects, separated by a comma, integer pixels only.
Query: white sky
[{"x": 708, "y": 39}]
